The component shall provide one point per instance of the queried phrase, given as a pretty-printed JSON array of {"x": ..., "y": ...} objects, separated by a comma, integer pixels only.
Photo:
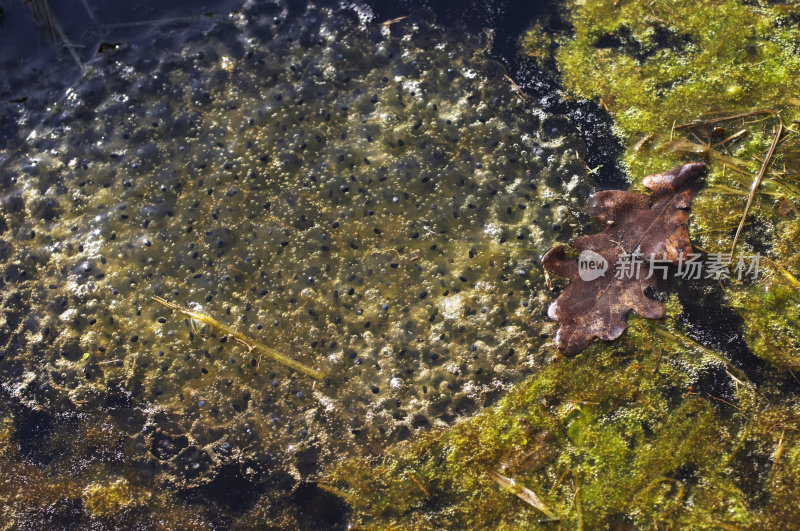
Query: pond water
[{"x": 368, "y": 199}]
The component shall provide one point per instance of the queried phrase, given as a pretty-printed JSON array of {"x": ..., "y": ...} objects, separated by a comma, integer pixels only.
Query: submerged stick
[
  {"x": 726, "y": 118},
  {"x": 250, "y": 344},
  {"x": 788, "y": 276},
  {"x": 154, "y": 22},
  {"x": 757, "y": 182},
  {"x": 55, "y": 27},
  {"x": 776, "y": 457},
  {"x": 524, "y": 493}
]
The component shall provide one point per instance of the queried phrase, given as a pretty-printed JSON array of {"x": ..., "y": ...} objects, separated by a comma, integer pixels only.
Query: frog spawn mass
[{"x": 368, "y": 199}]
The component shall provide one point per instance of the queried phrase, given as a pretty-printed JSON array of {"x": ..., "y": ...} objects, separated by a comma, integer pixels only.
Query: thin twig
[
  {"x": 389, "y": 22},
  {"x": 55, "y": 28},
  {"x": 419, "y": 484},
  {"x": 658, "y": 359},
  {"x": 734, "y": 136},
  {"x": 154, "y": 22},
  {"x": 786, "y": 274},
  {"x": 524, "y": 493},
  {"x": 516, "y": 88},
  {"x": 245, "y": 341},
  {"x": 89, "y": 11},
  {"x": 757, "y": 182},
  {"x": 726, "y": 118},
  {"x": 737, "y": 408},
  {"x": 777, "y": 457}
]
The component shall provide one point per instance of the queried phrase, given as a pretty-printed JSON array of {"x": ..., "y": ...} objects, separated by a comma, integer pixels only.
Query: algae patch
[
  {"x": 656, "y": 64},
  {"x": 111, "y": 497}
]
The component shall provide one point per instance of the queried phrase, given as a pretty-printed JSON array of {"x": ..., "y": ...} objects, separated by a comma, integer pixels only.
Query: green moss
[
  {"x": 784, "y": 483},
  {"x": 654, "y": 65},
  {"x": 772, "y": 328},
  {"x": 537, "y": 42},
  {"x": 768, "y": 302}
]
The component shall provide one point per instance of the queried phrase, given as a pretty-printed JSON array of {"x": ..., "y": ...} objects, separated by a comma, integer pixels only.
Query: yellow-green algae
[
  {"x": 615, "y": 436},
  {"x": 109, "y": 497},
  {"x": 656, "y": 64}
]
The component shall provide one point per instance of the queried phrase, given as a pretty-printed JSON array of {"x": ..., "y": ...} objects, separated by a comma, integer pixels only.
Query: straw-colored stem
[
  {"x": 154, "y": 22},
  {"x": 245, "y": 341},
  {"x": 53, "y": 23},
  {"x": 522, "y": 492},
  {"x": 756, "y": 182}
]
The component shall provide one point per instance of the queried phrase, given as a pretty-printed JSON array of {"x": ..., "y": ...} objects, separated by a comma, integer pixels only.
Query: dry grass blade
[
  {"x": 725, "y": 118},
  {"x": 155, "y": 22},
  {"x": 43, "y": 13},
  {"x": 756, "y": 182},
  {"x": 89, "y": 11},
  {"x": 786, "y": 274},
  {"x": 776, "y": 457},
  {"x": 521, "y": 492},
  {"x": 388, "y": 23},
  {"x": 248, "y": 343},
  {"x": 732, "y": 138}
]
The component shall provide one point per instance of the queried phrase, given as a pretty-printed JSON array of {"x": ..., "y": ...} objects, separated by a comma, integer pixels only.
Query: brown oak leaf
[{"x": 598, "y": 300}]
